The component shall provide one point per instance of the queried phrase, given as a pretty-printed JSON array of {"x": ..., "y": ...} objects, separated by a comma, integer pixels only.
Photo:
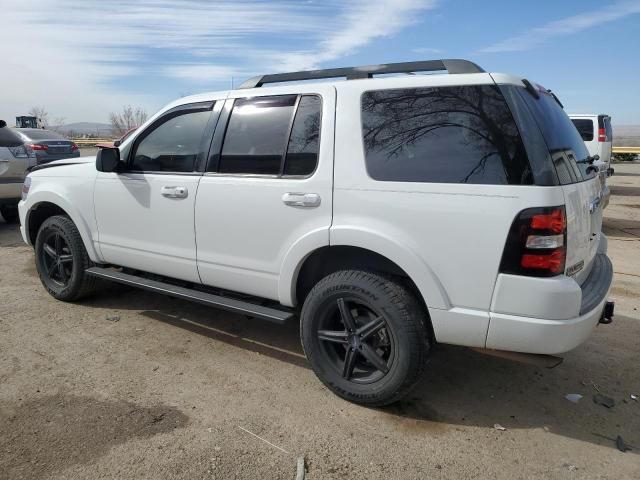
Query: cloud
[
  {"x": 83, "y": 59},
  {"x": 566, "y": 26}
]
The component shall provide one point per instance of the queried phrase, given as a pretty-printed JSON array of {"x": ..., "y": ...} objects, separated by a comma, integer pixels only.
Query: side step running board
[{"x": 224, "y": 303}]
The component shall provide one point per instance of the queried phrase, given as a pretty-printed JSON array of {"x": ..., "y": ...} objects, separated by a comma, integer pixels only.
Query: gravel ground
[{"x": 134, "y": 385}]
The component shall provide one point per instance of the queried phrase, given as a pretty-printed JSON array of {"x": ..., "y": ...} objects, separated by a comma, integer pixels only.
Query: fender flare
[
  {"x": 39, "y": 197},
  {"x": 403, "y": 256}
]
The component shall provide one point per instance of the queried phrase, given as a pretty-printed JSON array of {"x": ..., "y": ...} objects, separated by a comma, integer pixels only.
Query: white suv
[{"x": 390, "y": 213}]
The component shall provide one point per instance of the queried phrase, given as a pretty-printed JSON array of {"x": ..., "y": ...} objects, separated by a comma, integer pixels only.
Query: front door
[
  {"x": 145, "y": 211},
  {"x": 268, "y": 188}
]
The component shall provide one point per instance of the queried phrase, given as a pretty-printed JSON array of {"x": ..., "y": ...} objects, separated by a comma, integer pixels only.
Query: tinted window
[
  {"x": 173, "y": 146},
  {"x": 8, "y": 138},
  {"x": 585, "y": 128},
  {"x": 560, "y": 135},
  {"x": 257, "y": 135},
  {"x": 38, "y": 134},
  {"x": 445, "y": 134},
  {"x": 302, "y": 152}
]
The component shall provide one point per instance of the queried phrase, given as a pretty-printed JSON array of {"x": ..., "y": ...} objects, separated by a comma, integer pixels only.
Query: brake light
[
  {"x": 602, "y": 135},
  {"x": 536, "y": 243},
  {"x": 74, "y": 147},
  {"x": 36, "y": 146}
]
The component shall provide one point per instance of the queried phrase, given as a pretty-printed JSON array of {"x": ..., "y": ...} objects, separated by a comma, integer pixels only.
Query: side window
[
  {"x": 443, "y": 135},
  {"x": 173, "y": 146},
  {"x": 269, "y": 136},
  {"x": 585, "y": 128},
  {"x": 302, "y": 152},
  {"x": 257, "y": 135}
]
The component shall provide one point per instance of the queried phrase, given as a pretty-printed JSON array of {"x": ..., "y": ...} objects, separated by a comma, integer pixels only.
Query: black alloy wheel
[
  {"x": 57, "y": 258},
  {"x": 365, "y": 336},
  {"x": 356, "y": 341}
]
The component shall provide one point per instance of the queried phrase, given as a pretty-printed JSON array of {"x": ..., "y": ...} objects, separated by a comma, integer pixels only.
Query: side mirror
[
  {"x": 596, "y": 157},
  {"x": 107, "y": 159}
]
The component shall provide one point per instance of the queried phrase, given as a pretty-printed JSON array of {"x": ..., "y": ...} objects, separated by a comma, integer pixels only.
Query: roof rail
[{"x": 367, "y": 71}]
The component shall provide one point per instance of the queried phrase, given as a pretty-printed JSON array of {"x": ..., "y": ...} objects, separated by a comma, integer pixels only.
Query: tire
[
  {"x": 61, "y": 260},
  {"x": 10, "y": 213},
  {"x": 386, "y": 319}
]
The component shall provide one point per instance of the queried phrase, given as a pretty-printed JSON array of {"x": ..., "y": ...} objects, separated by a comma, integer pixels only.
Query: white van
[{"x": 597, "y": 134}]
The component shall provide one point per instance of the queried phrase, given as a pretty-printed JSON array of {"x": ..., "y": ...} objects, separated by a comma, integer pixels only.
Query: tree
[
  {"x": 128, "y": 118},
  {"x": 42, "y": 116},
  {"x": 57, "y": 124}
]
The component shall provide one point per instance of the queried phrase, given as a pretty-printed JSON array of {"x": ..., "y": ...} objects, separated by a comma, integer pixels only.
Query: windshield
[{"x": 561, "y": 136}]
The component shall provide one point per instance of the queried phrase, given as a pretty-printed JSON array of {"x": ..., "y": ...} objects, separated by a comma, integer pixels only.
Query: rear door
[
  {"x": 268, "y": 188},
  {"x": 581, "y": 186},
  {"x": 605, "y": 139}
]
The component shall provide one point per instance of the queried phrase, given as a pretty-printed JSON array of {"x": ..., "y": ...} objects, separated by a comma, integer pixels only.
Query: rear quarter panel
[{"x": 449, "y": 238}]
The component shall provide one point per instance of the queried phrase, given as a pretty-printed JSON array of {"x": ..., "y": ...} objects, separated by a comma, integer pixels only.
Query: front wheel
[
  {"x": 61, "y": 260},
  {"x": 364, "y": 336}
]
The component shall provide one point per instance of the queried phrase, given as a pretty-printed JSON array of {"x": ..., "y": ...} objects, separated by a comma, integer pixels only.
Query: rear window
[
  {"x": 585, "y": 128},
  {"x": 8, "y": 138},
  {"x": 562, "y": 138},
  {"x": 460, "y": 134},
  {"x": 42, "y": 135}
]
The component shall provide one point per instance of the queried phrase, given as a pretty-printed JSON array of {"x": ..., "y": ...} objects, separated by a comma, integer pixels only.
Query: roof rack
[{"x": 367, "y": 71}]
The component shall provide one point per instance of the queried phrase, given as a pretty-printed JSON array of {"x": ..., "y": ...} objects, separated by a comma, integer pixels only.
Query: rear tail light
[
  {"x": 602, "y": 135},
  {"x": 36, "y": 146},
  {"x": 74, "y": 147},
  {"x": 536, "y": 243}
]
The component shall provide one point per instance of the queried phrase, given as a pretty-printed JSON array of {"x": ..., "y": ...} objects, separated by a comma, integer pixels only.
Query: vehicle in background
[
  {"x": 118, "y": 142},
  {"x": 48, "y": 145},
  {"x": 597, "y": 134},
  {"x": 15, "y": 159},
  {"x": 26, "y": 121}
]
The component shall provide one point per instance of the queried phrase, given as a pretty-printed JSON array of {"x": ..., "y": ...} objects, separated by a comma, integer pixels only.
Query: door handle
[
  {"x": 174, "y": 192},
  {"x": 301, "y": 199}
]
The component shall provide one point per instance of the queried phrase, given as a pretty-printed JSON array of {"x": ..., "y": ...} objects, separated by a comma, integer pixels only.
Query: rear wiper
[
  {"x": 556, "y": 99},
  {"x": 590, "y": 159}
]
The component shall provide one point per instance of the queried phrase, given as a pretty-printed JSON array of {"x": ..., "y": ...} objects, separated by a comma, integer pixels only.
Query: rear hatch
[{"x": 580, "y": 184}]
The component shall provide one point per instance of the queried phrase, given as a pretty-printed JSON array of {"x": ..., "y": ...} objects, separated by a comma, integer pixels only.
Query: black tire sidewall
[
  {"x": 10, "y": 213},
  {"x": 65, "y": 228},
  {"x": 374, "y": 291}
]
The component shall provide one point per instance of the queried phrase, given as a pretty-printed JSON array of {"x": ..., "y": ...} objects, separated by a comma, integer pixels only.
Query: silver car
[
  {"x": 15, "y": 159},
  {"x": 48, "y": 145}
]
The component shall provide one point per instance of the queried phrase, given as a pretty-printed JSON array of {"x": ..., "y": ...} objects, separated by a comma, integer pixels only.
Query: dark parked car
[{"x": 48, "y": 145}]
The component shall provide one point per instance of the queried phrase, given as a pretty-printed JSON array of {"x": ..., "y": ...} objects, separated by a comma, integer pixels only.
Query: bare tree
[
  {"x": 42, "y": 116},
  {"x": 57, "y": 124},
  {"x": 128, "y": 118}
]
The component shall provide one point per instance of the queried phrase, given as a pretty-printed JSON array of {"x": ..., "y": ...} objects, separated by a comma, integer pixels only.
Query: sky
[{"x": 82, "y": 59}]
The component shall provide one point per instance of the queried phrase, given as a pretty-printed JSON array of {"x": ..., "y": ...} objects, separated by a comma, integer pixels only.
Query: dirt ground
[{"x": 135, "y": 385}]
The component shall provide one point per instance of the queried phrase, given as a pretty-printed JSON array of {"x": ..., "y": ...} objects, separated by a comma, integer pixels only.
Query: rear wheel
[
  {"x": 364, "y": 336},
  {"x": 61, "y": 260},
  {"x": 10, "y": 213}
]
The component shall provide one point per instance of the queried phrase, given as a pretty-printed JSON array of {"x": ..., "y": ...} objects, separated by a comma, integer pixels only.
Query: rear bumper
[{"x": 551, "y": 336}]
